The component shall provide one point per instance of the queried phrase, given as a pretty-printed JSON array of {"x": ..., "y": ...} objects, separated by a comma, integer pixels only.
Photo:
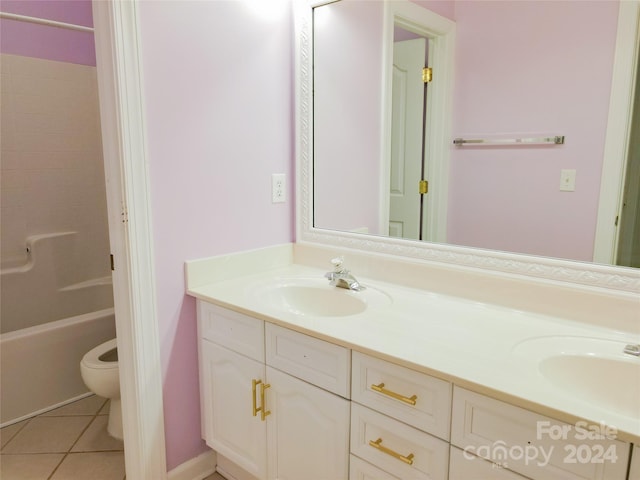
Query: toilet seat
[{"x": 92, "y": 357}]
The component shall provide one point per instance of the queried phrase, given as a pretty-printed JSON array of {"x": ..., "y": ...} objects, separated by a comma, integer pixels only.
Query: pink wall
[
  {"x": 51, "y": 43},
  {"x": 218, "y": 92},
  {"x": 546, "y": 71},
  {"x": 347, "y": 112}
]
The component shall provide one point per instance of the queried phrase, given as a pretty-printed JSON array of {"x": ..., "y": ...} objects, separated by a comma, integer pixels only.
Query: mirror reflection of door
[
  {"x": 406, "y": 138},
  {"x": 629, "y": 237}
]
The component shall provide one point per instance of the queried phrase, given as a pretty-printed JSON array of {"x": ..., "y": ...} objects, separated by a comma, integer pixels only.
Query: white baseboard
[{"x": 195, "y": 469}]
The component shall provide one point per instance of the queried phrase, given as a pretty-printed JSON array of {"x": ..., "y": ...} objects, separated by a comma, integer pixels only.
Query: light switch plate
[{"x": 567, "y": 180}]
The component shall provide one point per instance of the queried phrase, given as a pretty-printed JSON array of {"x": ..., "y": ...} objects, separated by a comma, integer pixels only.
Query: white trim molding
[
  {"x": 195, "y": 469},
  {"x": 130, "y": 234}
]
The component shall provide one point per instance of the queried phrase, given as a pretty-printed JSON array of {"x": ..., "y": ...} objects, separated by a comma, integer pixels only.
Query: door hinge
[
  {"x": 615, "y": 224},
  {"x": 124, "y": 214},
  {"x": 423, "y": 187},
  {"x": 427, "y": 74},
  {"x": 112, "y": 262}
]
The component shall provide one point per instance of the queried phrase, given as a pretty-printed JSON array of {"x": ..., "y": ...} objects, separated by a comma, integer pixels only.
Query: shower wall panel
[{"x": 51, "y": 163}]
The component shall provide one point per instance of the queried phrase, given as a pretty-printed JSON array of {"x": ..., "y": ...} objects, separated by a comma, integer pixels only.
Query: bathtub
[
  {"x": 50, "y": 284},
  {"x": 40, "y": 365}
]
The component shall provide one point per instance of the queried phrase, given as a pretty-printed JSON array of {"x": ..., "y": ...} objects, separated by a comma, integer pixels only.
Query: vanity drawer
[
  {"x": 361, "y": 470},
  {"x": 412, "y": 397},
  {"x": 504, "y": 434},
  {"x": 318, "y": 362},
  {"x": 233, "y": 330},
  {"x": 397, "y": 448},
  {"x": 464, "y": 466}
]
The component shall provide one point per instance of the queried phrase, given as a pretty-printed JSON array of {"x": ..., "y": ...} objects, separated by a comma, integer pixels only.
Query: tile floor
[
  {"x": 215, "y": 476},
  {"x": 69, "y": 443}
]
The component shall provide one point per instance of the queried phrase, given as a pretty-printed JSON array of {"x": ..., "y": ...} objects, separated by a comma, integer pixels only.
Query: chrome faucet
[
  {"x": 632, "y": 350},
  {"x": 341, "y": 277}
]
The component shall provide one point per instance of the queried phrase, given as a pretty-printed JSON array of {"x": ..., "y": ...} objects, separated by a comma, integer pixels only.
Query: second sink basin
[
  {"x": 606, "y": 381},
  {"x": 315, "y": 297},
  {"x": 590, "y": 369}
]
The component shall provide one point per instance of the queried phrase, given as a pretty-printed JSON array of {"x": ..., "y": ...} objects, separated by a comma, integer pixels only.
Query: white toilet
[{"x": 100, "y": 372}]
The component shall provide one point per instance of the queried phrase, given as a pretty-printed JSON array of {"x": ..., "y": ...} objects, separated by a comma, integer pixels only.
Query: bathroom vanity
[{"x": 474, "y": 378}]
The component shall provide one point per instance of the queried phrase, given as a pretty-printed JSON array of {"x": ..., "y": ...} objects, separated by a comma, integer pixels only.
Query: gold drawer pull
[
  {"x": 378, "y": 444},
  {"x": 380, "y": 388},
  {"x": 261, "y": 409}
]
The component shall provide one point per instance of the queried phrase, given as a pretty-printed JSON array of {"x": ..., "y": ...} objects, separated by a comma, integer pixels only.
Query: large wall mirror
[{"x": 513, "y": 70}]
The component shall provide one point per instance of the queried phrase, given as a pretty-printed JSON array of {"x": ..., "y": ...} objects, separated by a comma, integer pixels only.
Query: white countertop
[{"x": 466, "y": 342}]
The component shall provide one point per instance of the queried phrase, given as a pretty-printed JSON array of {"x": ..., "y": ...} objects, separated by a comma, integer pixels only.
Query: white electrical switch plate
[
  {"x": 567, "y": 180},
  {"x": 278, "y": 188}
]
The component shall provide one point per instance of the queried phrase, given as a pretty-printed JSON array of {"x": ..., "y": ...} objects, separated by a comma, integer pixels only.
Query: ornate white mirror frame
[{"x": 550, "y": 269}]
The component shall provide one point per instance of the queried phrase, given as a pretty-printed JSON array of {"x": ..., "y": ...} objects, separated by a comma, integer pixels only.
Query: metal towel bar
[{"x": 555, "y": 140}]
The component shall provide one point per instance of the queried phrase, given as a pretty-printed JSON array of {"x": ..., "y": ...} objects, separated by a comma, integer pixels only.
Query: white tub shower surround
[
  {"x": 57, "y": 299},
  {"x": 50, "y": 285},
  {"x": 48, "y": 325},
  {"x": 40, "y": 366}
]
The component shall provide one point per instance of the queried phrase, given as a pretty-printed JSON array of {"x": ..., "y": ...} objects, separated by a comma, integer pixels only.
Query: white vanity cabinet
[
  {"x": 267, "y": 419},
  {"x": 531, "y": 444},
  {"x": 277, "y": 404}
]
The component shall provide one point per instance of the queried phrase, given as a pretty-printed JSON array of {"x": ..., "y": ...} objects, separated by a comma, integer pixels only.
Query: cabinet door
[
  {"x": 308, "y": 430},
  {"x": 228, "y": 400}
]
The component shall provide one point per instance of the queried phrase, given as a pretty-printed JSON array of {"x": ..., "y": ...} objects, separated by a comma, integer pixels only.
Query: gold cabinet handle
[
  {"x": 380, "y": 388},
  {"x": 263, "y": 411},
  {"x": 254, "y": 384},
  {"x": 378, "y": 445},
  {"x": 261, "y": 408}
]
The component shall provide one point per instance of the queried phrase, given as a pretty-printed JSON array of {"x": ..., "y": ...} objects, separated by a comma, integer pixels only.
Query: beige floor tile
[
  {"x": 29, "y": 467},
  {"x": 96, "y": 439},
  {"x": 7, "y": 433},
  {"x": 105, "y": 408},
  {"x": 215, "y": 476},
  {"x": 87, "y": 406},
  {"x": 94, "y": 466},
  {"x": 47, "y": 435}
]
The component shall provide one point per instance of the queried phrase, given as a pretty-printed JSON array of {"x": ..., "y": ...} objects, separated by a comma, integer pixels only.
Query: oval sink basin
[
  {"x": 315, "y": 297},
  {"x": 605, "y": 381},
  {"x": 590, "y": 369}
]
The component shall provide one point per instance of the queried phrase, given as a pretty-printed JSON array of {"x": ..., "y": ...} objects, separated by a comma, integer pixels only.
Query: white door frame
[
  {"x": 131, "y": 236},
  {"x": 618, "y": 131}
]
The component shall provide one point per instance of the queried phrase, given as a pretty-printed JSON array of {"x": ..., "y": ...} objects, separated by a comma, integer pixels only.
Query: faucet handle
[{"x": 337, "y": 264}]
